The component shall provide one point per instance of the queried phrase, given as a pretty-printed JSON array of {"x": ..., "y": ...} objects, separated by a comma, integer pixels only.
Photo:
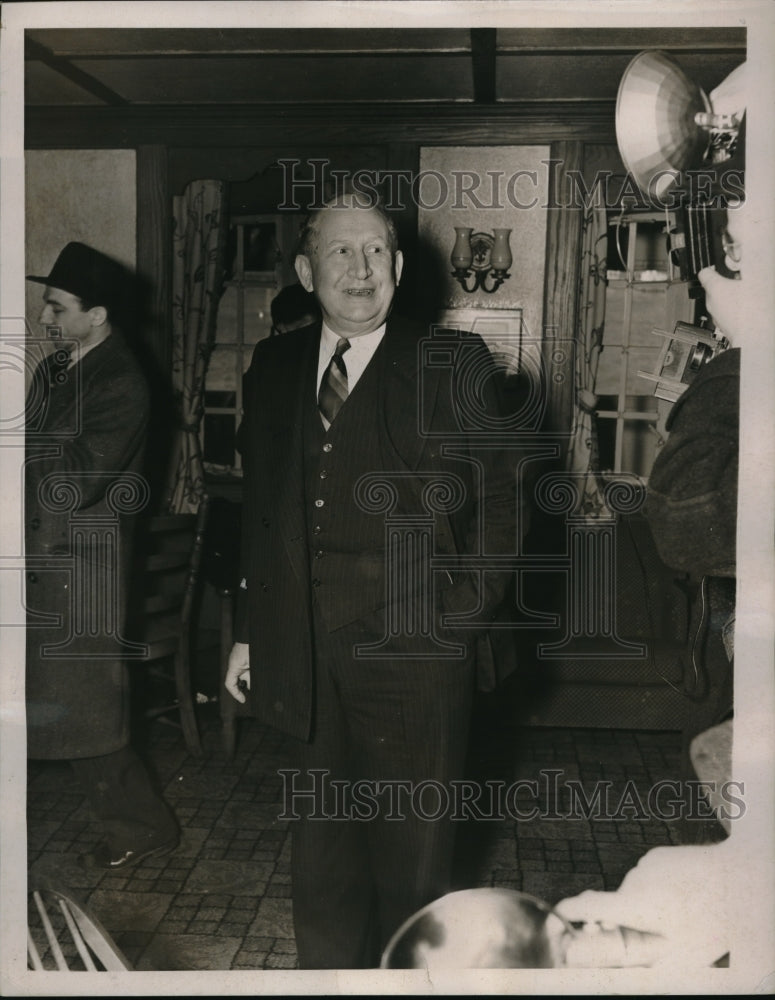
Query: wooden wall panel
[
  {"x": 154, "y": 248},
  {"x": 563, "y": 243}
]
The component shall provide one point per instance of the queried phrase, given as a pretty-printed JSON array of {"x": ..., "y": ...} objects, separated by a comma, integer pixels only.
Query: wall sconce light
[{"x": 480, "y": 257}]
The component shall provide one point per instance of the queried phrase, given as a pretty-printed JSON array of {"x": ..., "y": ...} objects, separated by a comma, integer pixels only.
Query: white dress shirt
[{"x": 356, "y": 359}]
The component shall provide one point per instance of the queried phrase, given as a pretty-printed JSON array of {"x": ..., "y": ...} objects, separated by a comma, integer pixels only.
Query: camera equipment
[
  {"x": 665, "y": 125},
  {"x": 684, "y": 353},
  {"x": 684, "y": 158},
  {"x": 672, "y": 142}
]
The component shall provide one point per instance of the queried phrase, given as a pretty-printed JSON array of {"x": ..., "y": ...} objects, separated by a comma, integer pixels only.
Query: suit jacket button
[
  {"x": 319, "y": 503},
  {"x": 278, "y": 706},
  {"x": 265, "y": 586},
  {"x": 316, "y": 582},
  {"x": 265, "y": 522},
  {"x": 35, "y": 523},
  {"x": 327, "y": 446},
  {"x": 32, "y": 577}
]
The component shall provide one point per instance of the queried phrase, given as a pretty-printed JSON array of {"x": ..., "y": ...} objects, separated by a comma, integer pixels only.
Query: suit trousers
[
  {"x": 374, "y": 841},
  {"x": 123, "y": 798}
]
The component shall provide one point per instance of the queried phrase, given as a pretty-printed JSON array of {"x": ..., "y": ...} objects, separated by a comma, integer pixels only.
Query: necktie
[{"x": 333, "y": 386}]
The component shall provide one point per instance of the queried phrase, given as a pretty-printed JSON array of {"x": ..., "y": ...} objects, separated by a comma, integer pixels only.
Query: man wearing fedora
[{"x": 87, "y": 417}]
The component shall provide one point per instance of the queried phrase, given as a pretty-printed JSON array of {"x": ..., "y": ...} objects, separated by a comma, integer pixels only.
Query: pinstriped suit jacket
[{"x": 434, "y": 391}]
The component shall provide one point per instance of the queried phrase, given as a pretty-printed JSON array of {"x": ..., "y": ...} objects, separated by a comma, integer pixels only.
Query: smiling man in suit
[{"x": 345, "y": 626}]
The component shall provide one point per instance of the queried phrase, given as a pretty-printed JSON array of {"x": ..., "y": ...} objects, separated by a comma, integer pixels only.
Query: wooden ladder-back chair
[
  {"x": 169, "y": 555},
  {"x": 221, "y": 570},
  {"x": 62, "y": 935}
]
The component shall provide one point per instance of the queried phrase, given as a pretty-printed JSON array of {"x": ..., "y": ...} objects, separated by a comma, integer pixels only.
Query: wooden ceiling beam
[
  {"x": 35, "y": 52},
  {"x": 483, "y": 46},
  {"x": 323, "y": 124}
]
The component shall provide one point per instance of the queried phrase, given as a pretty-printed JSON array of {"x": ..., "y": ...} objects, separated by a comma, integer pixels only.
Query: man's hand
[
  {"x": 238, "y": 672},
  {"x": 725, "y": 302},
  {"x": 725, "y": 297}
]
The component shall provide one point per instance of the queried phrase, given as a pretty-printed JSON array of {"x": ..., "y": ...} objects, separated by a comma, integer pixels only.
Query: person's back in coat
[{"x": 87, "y": 417}]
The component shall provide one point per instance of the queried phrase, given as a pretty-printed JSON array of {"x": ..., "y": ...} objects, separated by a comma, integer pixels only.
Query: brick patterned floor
[{"x": 222, "y": 900}]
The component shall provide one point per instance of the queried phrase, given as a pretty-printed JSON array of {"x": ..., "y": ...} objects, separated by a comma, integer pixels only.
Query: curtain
[
  {"x": 198, "y": 245},
  {"x": 583, "y": 453}
]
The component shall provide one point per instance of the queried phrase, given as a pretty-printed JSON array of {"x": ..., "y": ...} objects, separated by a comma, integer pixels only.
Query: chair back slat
[
  {"x": 167, "y": 560},
  {"x": 196, "y": 562},
  {"x": 33, "y": 953},
  {"x": 81, "y": 932},
  {"x": 76, "y": 936},
  {"x": 97, "y": 938},
  {"x": 51, "y": 937}
]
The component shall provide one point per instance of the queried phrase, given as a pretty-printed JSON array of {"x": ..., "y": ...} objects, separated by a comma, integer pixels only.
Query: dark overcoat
[
  {"x": 425, "y": 406},
  {"x": 86, "y": 429},
  {"x": 691, "y": 505}
]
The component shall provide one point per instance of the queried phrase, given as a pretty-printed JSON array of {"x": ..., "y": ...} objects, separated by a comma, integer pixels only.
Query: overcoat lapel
[
  {"x": 408, "y": 394},
  {"x": 288, "y": 448},
  {"x": 417, "y": 407}
]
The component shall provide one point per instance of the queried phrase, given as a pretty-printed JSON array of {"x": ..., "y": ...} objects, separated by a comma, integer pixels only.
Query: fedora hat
[{"x": 86, "y": 273}]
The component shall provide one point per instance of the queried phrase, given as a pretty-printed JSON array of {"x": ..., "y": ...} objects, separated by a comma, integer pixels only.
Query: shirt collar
[{"x": 364, "y": 342}]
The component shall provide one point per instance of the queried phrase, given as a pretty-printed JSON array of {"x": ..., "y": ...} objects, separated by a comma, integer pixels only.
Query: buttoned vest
[{"x": 346, "y": 543}]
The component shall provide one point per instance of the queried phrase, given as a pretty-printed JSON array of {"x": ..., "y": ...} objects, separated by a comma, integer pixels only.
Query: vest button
[
  {"x": 32, "y": 577},
  {"x": 319, "y": 503},
  {"x": 35, "y": 523},
  {"x": 316, "y": 582},
  {"x": 317, "y": 529},
  {"x": 323, "y": 474},
  {"x": 278, "y": 706},
  {"x": 327, "y": 446},
  {"x": 319, "y": 554}
]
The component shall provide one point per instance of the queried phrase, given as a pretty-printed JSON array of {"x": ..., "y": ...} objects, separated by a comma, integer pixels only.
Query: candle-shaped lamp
[
  {"x": 500, "y": 255},
  {"x": 462, "y": 255}
]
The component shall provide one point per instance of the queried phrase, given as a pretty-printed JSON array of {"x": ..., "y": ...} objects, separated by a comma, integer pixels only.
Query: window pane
[
  {"x": 220, "y": 400},
  {"x": 261, "y": 249},
  {"x": 638, "y": 447},
  {"x": 649, "y": 311},
  {"x": 641, "y": 359},
  {"x": 222, "y": 371},
  {"x": 609, "y": 369},
  {"x": 648, "y": 305},
  {"x": 639, "y": 443},
  {"x": 608, "y": 403},
  {"x": 256, "y": 302},
  {"x": 640, "y": 404},
  {"x": 606, "y": 441},
  {"x": 650, "y": 247},
  {"x": 219, "y": 438}
]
